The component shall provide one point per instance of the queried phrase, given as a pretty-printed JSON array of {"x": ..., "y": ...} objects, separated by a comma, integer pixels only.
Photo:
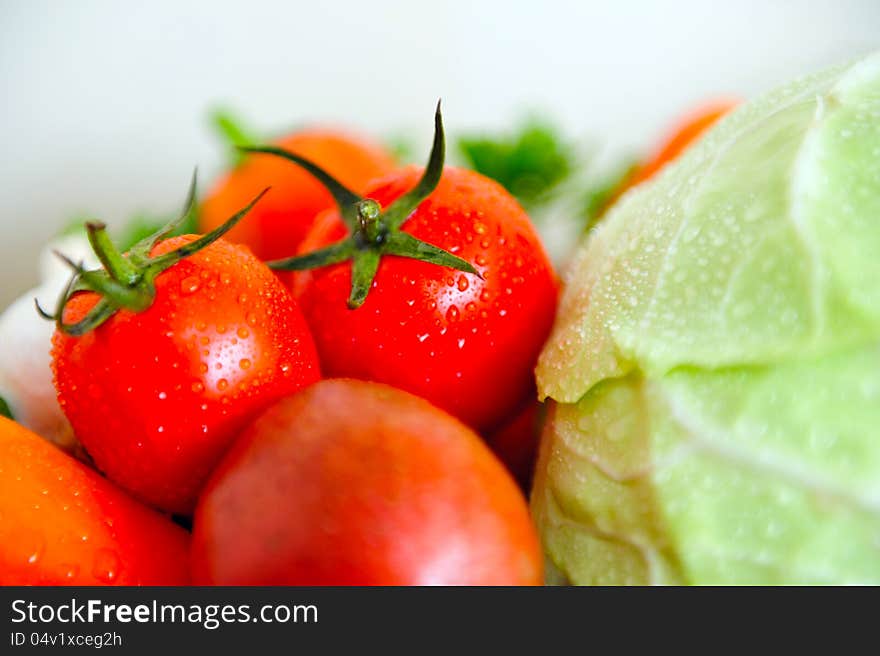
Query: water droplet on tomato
[
  {"x": 68, "y": 571},
  {"x": 198, "y": 387},
  {"x": 452, "y": 313},
  {"x": 243, "y": 332},
  {"x": 251, "y": 318},
  {"x": 222, "y": 384},
  {"x": 244, "y": 363},
  {"x": 162, "y": 396},
  {"x": 36, "y": 551},
  {"x": 189, "y": 285},
  {"x": 463, "y": 283},
  {"x": 106, "y": 565}
]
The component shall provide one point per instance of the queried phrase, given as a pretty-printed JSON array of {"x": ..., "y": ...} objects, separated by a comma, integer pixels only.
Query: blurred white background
[{"x": 104, "y": 103}]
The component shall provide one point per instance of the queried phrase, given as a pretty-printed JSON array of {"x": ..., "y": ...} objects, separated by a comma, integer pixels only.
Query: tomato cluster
[{"x": 191, "y": 372}]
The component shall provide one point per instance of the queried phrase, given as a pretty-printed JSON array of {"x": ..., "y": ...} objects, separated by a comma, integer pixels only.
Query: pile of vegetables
[{"x": 324, "y": 372}]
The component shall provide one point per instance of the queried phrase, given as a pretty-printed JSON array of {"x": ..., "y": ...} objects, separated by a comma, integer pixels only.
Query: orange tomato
[
  {"x": 61, "y": 523},
  {"x": 277, "y": 224},
  {"x": 689, "y": 128}
]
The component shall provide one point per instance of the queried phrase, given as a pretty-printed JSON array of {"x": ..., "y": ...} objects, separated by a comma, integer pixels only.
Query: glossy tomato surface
[
  {"x": 276, "y": 226},
  {"x": 156, "y": 397},
  {"x": 61, "y": 523},
  {"x": 466, "y": 344},
  {"x": 355, "y": 483}
]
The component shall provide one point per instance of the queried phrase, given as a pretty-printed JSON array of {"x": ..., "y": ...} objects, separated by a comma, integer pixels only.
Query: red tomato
[
  {"x": 354, "y": 483},
  {"x": 277, "y": 225},
  {"x": 156, "y": 396},
  {"x": 62, "y": 523},
  {"x": 466, "y": 344},
  {"x": 516, "y": 442}
]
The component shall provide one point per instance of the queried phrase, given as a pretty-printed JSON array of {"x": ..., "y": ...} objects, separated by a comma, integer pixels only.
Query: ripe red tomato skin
[
  {"x": 516, "y": 442},
  {"x": 64, "y": 524},
  {"x": 156, "y": 397},
  {"x": 467, "y": 345},
  {"x": 356, "y": 483}
]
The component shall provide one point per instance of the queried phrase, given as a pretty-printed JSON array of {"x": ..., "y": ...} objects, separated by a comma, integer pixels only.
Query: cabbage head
[{"x": 714, "y": 373}]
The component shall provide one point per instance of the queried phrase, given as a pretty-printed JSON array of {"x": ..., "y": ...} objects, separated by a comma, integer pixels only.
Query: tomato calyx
[
  {"x": 374, "y": 231},
  {"x": 126, "y": 281}
]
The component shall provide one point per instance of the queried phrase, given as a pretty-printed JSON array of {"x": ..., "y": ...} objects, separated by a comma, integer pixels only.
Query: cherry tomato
[
  {"x": 62, "y": 523},
  {"x": 466, "y": 343},
  {"x": 278, "y": 224},
  {"x": 355, "y": 483},
  {"x": 157, "y": 396}
]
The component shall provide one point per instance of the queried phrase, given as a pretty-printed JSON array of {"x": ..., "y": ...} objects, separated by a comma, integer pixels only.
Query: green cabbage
[{"x": 714, "y": 372}]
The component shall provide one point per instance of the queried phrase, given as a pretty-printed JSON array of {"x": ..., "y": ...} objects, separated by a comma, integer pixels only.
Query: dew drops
[
  {"x": 189, "y": 285},
  {"x": 422, "y": 338},
  {"x": 222, "y": 384},
  {"x": 69, "y": 571},
  {"x": 243, "y": 332},
  {"x": 198, "y": 387},
  {"x": 463, "y": 283},
  {"x": 244, "y": 363},
  {"x": 37, "y": 552},
  {"x": 163, "y": 396},
  {"x": 251, "y": 319},
  {"x": 452, "y": 313},
  {"x": 106, "y": 565}
]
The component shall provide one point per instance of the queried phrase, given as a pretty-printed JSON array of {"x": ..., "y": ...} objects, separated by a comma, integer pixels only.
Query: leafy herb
[
  {"x": 529, "y": 163},
  {"x": 4, "y": 409}
]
